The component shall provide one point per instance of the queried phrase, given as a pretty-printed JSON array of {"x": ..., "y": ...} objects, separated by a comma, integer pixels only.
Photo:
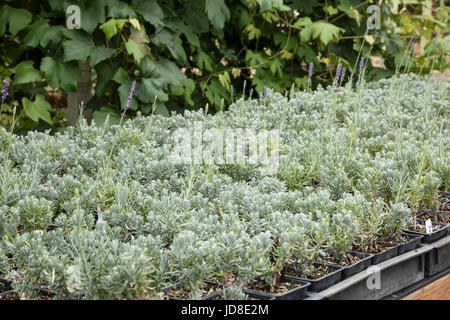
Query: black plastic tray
[
  {"x": 324, "y": 282},
  {"x": 411, "y": 245},
  {"x": 294, "y": 294},
  {"x": 207, "y": 297},
  {"x": 434, "y": 236},
  {"x": 386, "y": 254}
]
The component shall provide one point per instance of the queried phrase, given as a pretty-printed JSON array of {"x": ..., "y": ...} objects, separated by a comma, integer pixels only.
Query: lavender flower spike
[
  {"x": 265, "y": 92},
  {"x": 129, "y": 99},
  {"x": 338, "y": 73},
  {"x": 409, "y": 43},
  {"x": 310, "y": 71},
  {"x": 231, "y": 90},
  {"x": 343, "y": 74},
  {"x": 5, "y": 90},
  {"x": 361, "y": 64}
]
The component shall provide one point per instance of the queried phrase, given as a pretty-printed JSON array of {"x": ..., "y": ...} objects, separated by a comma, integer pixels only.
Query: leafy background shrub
[{"x": 188, "y": 53}]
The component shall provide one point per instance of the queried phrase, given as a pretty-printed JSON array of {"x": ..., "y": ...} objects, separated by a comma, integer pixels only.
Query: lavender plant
[{"x": 103, "y": 211}]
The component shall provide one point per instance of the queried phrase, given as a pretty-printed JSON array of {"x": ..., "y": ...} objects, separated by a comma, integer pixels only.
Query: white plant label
[{"x": 428, "y": 226}]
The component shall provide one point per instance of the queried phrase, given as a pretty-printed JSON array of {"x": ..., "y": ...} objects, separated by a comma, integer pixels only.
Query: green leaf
[
  {"x": 204, "y": 61},
  {"x": 111, "y": 26},
  {"x": 332, "y": 10},
  {"x": 25, "y": 73},
  {"x": 215, "y": 92},
  {"x": 92, "y": 13},
  {"x": 99, "y": 54},
  {"x": 51, "y": 69},
  {"x": 186, "y": 88},
  {"x": 193, "y": 14},
  {"x": 3, "y": 19},
  {"x": 54, "y": 34},
  {"x": 253, "y": 58},
  {"x": 325, "y": 31},
  {"x": 305, "y": 7},
  {"x": 224, "y": 79},
  {"x": 119, "y": 9},
  {"x": 62, "y": 75},
  {"x": 37, "y": 30},
  {"x": 252, "y": 31},
  {"x": 148, "y": 68},
  {"x": 170, "y": 72},
  {"x": 151, "y": 11},
  {"x": 173, "y": 43},
  {"x": 264, "y": 78},
  {"x": 18, "y": 19},
  {"x": 76, "y": 50},
  {"x": 347, "y": 7},
  {"x": 164, "y": 70},
  {"x": 133, "y": 49},
  {"x": 217, "y": 12},
  {"x": 100, "y": 116},
  {"x": 276, "y": 66},
  {"x": 38, "y": 109},
  {"x": 265, "y": 5},
  {"x": 104, "y": 76},
  {"x": 185, "y": 29},
  {"x": 121, "y": 76},
  {"x": 148, "y": 89},
  {"x": 307, "y": 52}
]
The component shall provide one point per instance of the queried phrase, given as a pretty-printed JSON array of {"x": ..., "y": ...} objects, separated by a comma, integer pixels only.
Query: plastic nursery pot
[
  {"x": 5, "y": 295},
  {"x": 5, "y": 285},
  {"x": 211, "y": 296},
  {"x": 362, "y": 264},
  {"x": 43, "y": 294},
  {"x": 298, "y": 293},
  {"x": 444, "y": 200},
  {"x": 385, "y": 254},
  {"x": 324, "y": 282},
  {"x": 412, "y": 244},
  {"x": 442, "y": 216},
  {"x": 433, "y": 236}
]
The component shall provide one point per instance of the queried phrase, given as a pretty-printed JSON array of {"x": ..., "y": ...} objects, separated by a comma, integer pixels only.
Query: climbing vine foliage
[{"x": 184, "y": 54}]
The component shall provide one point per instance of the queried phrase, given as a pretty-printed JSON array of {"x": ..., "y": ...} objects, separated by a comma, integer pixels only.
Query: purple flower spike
[
  {"x": 5, "y": 90},
  {"x": 308, "y": 81},
  {"x": 361, "y": 64},
  {"x": 231, "y": 90},
  {"x": 343, "y": 74},
  {"x": 122, "y": 115},
  {"x": 310, "y": 71},
  {"x": 434, "y": 41},
  {"x": 367, "y": 31},
  {"x": 409, "y": 43},
  {"x": 338, "y": 73},
  {"x": 412, "y": 46},
  {"x": 130, "y": 98},
  {"x": 265, "y": 92}
]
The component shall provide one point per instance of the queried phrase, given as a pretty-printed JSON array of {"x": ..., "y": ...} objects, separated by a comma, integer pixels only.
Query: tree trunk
[{"x": 82, "y": 95}]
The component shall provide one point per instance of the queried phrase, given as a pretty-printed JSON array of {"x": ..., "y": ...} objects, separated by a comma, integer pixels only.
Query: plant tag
[{"x": 428, "y": 226}]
